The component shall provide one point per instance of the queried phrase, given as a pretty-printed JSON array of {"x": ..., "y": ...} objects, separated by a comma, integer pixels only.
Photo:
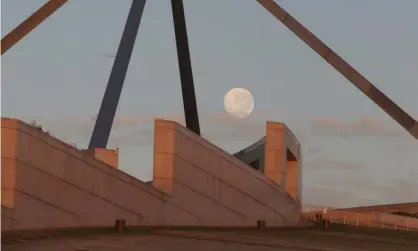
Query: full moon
[{"x": 239, "y": 102}]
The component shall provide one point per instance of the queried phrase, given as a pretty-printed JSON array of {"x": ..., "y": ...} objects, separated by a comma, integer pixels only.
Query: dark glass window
[{"x": 255, "y": 164}]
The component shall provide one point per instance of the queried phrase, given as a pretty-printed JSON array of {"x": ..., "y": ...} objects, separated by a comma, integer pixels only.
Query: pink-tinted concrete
[
  {"x": 283, "y": 159},
  {"x": 52, "y": 184},
  {"x": 47, "y": 183},
  {"x": 108, "y": 156},
  {"x": 214, "y": 185},
  {"x": 7, "y": 219}
]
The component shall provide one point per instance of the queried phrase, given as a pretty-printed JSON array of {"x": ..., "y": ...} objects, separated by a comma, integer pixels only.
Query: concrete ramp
[{"x": 47, "y": 183}]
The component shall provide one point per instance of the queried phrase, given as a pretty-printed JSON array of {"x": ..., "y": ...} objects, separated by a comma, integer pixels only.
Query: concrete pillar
[
  {"x": 275, "y": 153},
  {"x": 108, "y": 156},
  {"x": 292, "y": 179},
  {"x": 283, "y": 159}
]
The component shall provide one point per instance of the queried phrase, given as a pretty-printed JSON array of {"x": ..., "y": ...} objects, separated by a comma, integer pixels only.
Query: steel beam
[
  {"x": 185, "y": 67},
  {"x": 351, "y": 74},
  {"x": 106, "y": 116},
  {"x": 30, "y": 24}
]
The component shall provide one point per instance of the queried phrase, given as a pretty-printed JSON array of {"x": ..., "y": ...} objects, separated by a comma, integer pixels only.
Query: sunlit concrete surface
[
  {"x": 47, "y": 183},
  {"x": 289, "y": 240}
]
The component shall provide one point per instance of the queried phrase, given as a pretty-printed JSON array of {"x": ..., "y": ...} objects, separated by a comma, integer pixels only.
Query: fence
[
  {"x": 369, "y": 219},
  {"x": 314, "y": 208}
]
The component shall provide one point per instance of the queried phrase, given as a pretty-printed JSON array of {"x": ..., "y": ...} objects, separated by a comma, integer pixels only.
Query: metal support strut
[
  {"x": 185, "y": 67},
  {"x": 30, "y": 24},
  {"x": 351, "y": 74},
  {"x": 104, "y": 122}
]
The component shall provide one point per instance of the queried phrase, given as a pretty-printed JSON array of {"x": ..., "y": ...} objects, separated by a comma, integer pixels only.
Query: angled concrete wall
[
  {"x": 280, "y": 157},
  {"x": 47, "y": 183},
  {"x": 283, "y": 162},
  {"x": 216, "y": 186},
  {"x": 52, "y": 184}
]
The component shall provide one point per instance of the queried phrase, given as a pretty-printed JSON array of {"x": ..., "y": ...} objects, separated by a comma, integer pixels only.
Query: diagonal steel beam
[
  {"x": 106, "y": 116},
  {"x": 30, "y": 24},
  {"x": 358, "y": 80},
  {"x": 185, "y": 67}
]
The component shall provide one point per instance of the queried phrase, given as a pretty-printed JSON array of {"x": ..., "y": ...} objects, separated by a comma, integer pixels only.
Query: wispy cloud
[
  {"x": 332, "y": 197},
  {"x": 82, "y": 127},
  {"x": 311, "y": 150},
  {"x": 363, "y": 127},
  {"x": 327, "y": 185},
  {"x": 137, "y": 130},
  {"x": 328, "y": 164},
  {"x": 401, "y": 189}
]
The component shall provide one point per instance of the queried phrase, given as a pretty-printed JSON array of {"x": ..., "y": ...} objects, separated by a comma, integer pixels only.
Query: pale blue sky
[{"x": 353, "y": 153}]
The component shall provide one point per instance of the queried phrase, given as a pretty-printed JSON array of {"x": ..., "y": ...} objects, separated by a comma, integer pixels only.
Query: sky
[{"x": 354, "y": 154}]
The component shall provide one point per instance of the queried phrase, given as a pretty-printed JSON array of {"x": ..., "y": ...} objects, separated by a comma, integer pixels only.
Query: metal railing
[{"x": 372, "y": 220}]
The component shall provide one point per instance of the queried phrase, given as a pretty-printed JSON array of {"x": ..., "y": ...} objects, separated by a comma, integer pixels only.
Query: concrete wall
[
  {"x": 52, "y": 184},
  {"x": 215, "y": 185},
  {"x": 284, "y": 156},
  {"x": 47, "y": 183},
  {"x": 7, "y": 219},
  {"x": 283, "y": 159}
]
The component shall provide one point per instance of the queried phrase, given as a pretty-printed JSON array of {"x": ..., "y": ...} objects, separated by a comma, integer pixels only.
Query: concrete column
[
  {"x": 283, "y": 159},
  {"x": 108, "y": 156},
  {"x": 275, "y": 153},
  {"x": 292, "y": 179}
]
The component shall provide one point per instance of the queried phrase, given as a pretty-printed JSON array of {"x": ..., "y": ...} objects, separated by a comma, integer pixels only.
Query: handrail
[{"x": 373, "y": 220}]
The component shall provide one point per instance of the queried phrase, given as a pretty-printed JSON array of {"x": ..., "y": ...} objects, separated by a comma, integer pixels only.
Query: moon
[{"x": 239, "y": 102}]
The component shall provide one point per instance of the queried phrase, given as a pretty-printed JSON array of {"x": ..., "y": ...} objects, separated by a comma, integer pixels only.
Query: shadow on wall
[
  {"x": 253, "y": 155},
  {"x": 284, "y": 150},
  {"x": 47, "y": 183}
]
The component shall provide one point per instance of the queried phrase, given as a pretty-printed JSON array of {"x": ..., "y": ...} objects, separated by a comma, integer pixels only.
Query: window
[{"x": 255, "y": 164}]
